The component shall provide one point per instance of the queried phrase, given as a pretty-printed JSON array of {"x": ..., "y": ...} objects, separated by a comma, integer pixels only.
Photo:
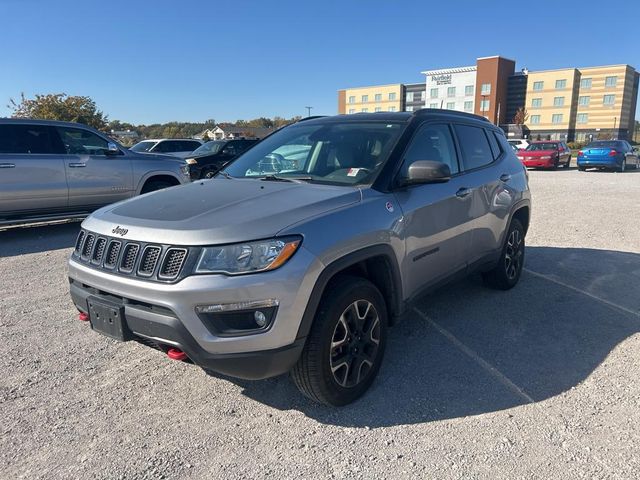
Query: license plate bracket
[{"x": 108, "y": 318}]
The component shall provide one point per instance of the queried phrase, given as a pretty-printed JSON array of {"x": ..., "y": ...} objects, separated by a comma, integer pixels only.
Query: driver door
[{"x": 95, "y": 179}]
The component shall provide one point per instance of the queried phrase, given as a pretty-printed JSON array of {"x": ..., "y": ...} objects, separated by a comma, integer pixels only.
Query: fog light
[{"x": 260, "y": 318}]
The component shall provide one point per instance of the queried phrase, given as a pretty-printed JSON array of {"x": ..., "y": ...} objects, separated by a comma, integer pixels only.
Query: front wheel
[
  {"x": 346, "y": 344},
  {"x": 506, "y": 273}
]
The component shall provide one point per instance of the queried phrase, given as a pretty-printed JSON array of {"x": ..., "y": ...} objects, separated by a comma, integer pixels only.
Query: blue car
[{"x": 608, "y": 155}]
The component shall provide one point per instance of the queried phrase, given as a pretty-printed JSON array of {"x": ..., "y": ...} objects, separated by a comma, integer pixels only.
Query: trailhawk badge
[{"x": 120, "y": 231}]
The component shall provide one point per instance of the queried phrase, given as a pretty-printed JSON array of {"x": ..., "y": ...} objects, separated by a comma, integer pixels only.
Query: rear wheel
[
  {"x": 506, "y": 273},
  {"x": 581, "y": 169},
  {"x": 346, "y": 344},
  {"x": 622, "y": 166}
]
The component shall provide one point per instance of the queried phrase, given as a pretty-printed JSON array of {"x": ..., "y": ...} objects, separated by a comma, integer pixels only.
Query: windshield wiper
[
  {"x": 276, "y": 178},
  {"x": 225, "y": 175}
]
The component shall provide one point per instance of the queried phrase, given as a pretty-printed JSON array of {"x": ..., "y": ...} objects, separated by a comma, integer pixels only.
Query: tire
[
  {"x": 154, "y": 185},
  {"x": 346, "y": 344},
  {"x": 555, "y": 164},
  {"x": 622, "y": 166},
  {"x": 581, "y": 169},
  {"x": 506, "y": 273}
]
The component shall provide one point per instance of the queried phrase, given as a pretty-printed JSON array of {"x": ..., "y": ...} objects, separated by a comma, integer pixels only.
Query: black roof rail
[
  {"x": 424, "y": 111},
  {"x": 304, "y": 119}
]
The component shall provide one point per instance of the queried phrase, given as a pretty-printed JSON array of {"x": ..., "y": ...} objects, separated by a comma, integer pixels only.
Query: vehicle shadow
[
  {"x": 544, "y": 337},
  {"x": 35, "y": 239}
]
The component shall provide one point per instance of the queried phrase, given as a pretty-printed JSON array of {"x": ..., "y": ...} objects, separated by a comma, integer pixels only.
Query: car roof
[
  {"x": 165, "y": 139},
  {"x": 547, "y": 141},
  {"x": 395, "y": 116},
  {"x": 35, "y": 121}
]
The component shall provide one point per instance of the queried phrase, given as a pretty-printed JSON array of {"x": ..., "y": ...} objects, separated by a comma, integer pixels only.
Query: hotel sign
[{"x": 443, "y": 79}]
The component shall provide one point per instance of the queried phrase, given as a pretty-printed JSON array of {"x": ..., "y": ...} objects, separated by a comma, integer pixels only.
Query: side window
[
  {"x": 230, "y": 149},
  {"x": 77, "y": 141},
  {"x": 28, "y": 139},
  {"x": 495, "y": 147},
  {"x": 189, "y": 146},
  {"x": 476, "y": 151},
  {"x": 431, "y": 142}
]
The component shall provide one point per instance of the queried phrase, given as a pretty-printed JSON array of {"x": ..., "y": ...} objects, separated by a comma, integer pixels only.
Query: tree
[
  {"x": 59, "y": 106},
  {"x": 521, "y": 116},
  {"x": 205, "y": 137}
]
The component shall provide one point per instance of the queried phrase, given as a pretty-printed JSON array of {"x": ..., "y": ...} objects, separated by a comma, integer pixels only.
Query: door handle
[
  {"x": 77, "y": 165},
  {"x": 7, "y": 165},
  {"x": 505, "y": 177},
  {"x": 463, "y": 192}
]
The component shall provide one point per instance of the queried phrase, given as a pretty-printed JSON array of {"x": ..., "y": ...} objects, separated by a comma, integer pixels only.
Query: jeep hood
[{"x": 218, "y": 211}]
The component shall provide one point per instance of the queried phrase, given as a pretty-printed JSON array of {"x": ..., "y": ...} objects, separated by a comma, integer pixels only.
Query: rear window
[
  {"x": 605, "y": 145},
  {"x": 476, "y": 151},
  {"x": 36, "y": 139}
]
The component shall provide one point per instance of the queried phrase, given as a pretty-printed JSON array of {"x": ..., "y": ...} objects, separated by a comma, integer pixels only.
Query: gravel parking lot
[{"x": 537, "y": 382}]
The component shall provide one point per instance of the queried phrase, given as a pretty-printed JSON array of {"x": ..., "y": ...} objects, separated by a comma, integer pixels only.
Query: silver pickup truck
[{"x": 54, "y": 170}]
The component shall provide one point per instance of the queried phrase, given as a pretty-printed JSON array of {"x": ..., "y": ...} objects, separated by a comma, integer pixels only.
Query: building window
[
  {"x": 352, "y": 99},
  {"x": 352, "y": 110},
  {"x": 609, "y": 100},
  {"x": 468, "y": 106},
  {"x": 451, "y": 105},
  {"x": 485, "y": 89},
  {"x": 538, "y": 85},
  {"x": 468, "y": 90},
  {"x": 558, "y": 101},
  {"x": 536, "y": 102},
  {"x": 535, "y": 119},
  {"x": 378, "y": 97},
  {"x": 451, "y": 92},
  {"x": 392, "y": 96},
  {"x": 378, "y": 109},
  {"x": 433, "y": 105},
  {"x": 434, "y": 93},
  {"x": 484, "y": 106},
  {"x": 582, "y": 118},
  {"x": 409, "y": 96},
  {"x": 417, "y": 96},
  {"x": 560, "y": 84},
  {"x": 365, "y": 98},
  {"x": 392, "y": 109},
  {"x": 583, "y": 101},
  {"x": 585, "y": 83},
  {"x": 364, "y": 110},
  {"x": 556, "y": 118},
  {"x": 610, "y": 81}
]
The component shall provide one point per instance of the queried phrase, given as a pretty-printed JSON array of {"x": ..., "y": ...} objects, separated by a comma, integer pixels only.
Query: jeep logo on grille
[{"x": 120, "y": 231}]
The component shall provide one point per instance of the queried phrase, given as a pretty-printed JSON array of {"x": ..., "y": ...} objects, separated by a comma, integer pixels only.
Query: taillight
[
  {"x": 580, "y": 153},
  {"x": 613, "y": 153}
]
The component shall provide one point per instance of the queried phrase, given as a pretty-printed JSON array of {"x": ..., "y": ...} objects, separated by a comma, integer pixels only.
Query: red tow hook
[
  {"x": 176, "y": 354},
  {"x": 83, "y": 317}
]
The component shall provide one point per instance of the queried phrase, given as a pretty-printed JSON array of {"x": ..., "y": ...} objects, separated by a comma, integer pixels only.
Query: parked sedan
[
  {"x": 176, "y": 147},
  {"x": 205, "y": 161},
  {"x": 519, "y": 143},
  {"x": 546, "y": 154},
  {"x": 608, "y": 155}
]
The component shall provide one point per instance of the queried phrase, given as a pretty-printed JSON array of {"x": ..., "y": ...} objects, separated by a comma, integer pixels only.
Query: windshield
[
  {"x": 331, "y": 153},
  {"x": 604, "y": 145},
  {"x": 144, "y": 146},
  {"x": 209, "y": 148},
  {"x": 542, "y": 146}
]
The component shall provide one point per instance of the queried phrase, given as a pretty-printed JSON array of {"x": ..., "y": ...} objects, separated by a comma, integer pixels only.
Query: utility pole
[{"x": 308, "y": 111}]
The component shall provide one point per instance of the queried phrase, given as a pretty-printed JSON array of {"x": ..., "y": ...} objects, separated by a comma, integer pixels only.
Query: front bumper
[
  {"x": 165, "y": 313},
  {"x": 539, "y": 163}
]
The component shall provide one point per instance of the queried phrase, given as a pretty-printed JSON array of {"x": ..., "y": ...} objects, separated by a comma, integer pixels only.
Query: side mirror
[
  {"x": 427, "y": 171},
  {"x": 112, "y": 149}
]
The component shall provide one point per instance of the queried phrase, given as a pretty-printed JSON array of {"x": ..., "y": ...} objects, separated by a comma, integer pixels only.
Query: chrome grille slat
[
  {"x": 98, "y": 251},
  {"x": 150, "y": 257},
  {"x": 87, "y": 248},
  {"x": 172, "y": 263},
  {"x": 129, "y": 257},
  {"x": 113, "y": 251}
]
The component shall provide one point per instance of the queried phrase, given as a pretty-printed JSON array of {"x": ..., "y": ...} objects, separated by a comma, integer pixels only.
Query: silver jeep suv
[
  {"x": 52, "y": 170},
  {"x": 304, "y": 250}
]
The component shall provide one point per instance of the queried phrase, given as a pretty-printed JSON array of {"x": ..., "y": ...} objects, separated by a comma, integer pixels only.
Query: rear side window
[
  {"x": 28, "y": 139},
  {"x": 474, "y": 144},
  {"x": 77, "y": 141},
  {"x": 431, "y": 142},
  {"x": 495, "y": 147}
]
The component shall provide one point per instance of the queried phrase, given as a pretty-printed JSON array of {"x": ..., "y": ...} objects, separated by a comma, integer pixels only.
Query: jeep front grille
[{"x": 145, "y": 261}]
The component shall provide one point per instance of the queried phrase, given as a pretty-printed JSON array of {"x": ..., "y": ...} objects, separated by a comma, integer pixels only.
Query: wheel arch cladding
[
  {"x": 376, "y": 264},
  {"x": 522, "y": 215}
]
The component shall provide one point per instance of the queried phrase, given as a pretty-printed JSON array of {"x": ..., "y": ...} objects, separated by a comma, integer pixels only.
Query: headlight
[
  {"x": 185, "y": 170},
  {"x": 247, "y": 257},
  {"x": 191, "y": 161},
  {"x": 545, "y": 157}
]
